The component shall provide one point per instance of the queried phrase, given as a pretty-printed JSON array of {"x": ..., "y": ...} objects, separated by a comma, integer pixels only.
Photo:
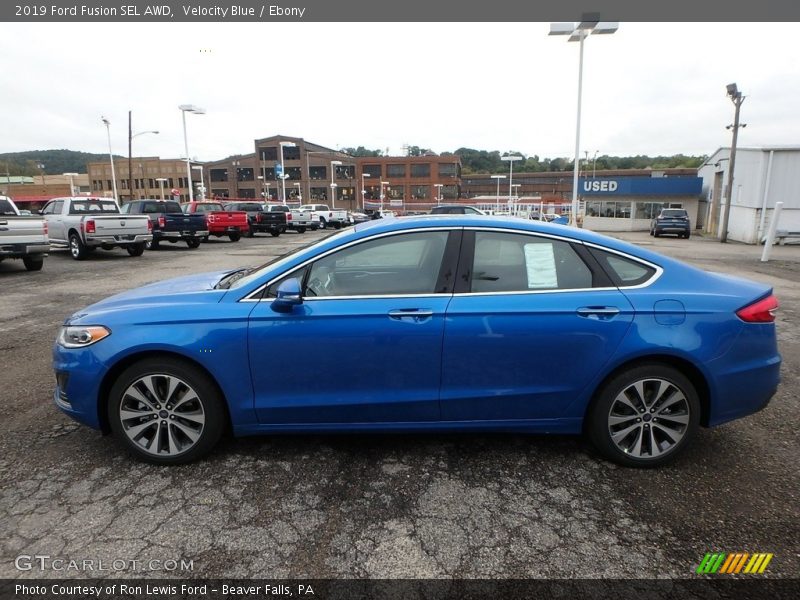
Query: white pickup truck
[
  {"x": 327, "y": 217},
  {"x": 298, "y": 220},
  {"x": 22, "y": 237},
  {"x": 83, "y": 224}
]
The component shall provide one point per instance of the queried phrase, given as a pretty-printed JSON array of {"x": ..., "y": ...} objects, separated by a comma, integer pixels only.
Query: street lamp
[
  {"x": 71, "y": 182},
  {"x": 737, "y": 98},
  {"x": 161, "y": 181},
  {"x": 184, "y": 108},
  {"x": 364, "y": 191},
  {"x": 111, "y": 157},
  {"x": 202, "y": 188},
  {"x": 283, "y": 170},
  {"x": 510, "y": 160},
  {"x": 132, "y": 135},
  {"x": 334, "y": 164},
  {"x": 383, "y": 183},
  {"x": 497, "y": 196},
  {"x": 438, "y": 192},
  {"x": 577, "y": 33},
  {"x": 235, "y": 166}
]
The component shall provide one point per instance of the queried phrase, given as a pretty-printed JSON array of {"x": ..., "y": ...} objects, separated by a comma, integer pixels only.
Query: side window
[
  {"x": 396, "y": 265},
  {"x": 510, "y": 262},
  {"x": 48, "y": 210},
  {"x": 623, "y": 271},
  {"x": 58, "y": 206},
  {"x": 126, "y": 208}
]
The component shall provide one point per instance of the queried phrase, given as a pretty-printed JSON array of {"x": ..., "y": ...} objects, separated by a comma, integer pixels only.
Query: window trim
[
  {"x": 257, "y": 295},
  {"x": 651, "y": 280}
]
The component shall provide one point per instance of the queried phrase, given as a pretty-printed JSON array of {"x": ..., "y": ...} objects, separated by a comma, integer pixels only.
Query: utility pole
[
  {"x": 130, "y": 160},
  {"x": 737, "y": 98}
]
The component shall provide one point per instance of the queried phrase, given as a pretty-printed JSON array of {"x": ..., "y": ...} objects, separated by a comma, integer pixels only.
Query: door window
[{"x": 509, "y": 262}]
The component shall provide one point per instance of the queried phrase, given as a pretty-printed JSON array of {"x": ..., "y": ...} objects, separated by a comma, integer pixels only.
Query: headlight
[{"x": 77, "y": 336}]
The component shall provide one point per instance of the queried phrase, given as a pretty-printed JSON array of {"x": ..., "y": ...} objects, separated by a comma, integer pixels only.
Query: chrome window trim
[{"x": 261, "y": 288}]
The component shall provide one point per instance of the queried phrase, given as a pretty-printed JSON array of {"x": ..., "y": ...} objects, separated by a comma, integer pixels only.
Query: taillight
[
  {"x": 44, "y": 227},
  {"x": 761, "y": 311},
  {"x": 90, "y": 226},
  {"x": 162, "y": 222},
  {"x": 150, "y": 224},
  {"x": 288, "y": 216}
]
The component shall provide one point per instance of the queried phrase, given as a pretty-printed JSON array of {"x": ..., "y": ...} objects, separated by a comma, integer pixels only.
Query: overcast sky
[{"x": 648, "y": 89}]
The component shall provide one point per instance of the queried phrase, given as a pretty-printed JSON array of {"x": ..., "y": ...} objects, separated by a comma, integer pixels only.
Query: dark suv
[
  {"x": 456, "y": 209},
  {"x": 673, "y": 221}
]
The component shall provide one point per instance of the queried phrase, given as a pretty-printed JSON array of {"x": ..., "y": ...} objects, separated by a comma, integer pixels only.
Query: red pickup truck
[{"x": 232, "y": 223}]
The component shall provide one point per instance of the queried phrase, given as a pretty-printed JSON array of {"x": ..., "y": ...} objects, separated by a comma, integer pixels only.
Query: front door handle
[
  {"x": 411, "y": 314},
  {"x": 598, "y": 312}
]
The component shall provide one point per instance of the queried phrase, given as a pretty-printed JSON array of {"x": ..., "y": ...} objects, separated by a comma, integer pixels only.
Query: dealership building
[{"x": 762, "y": 176}]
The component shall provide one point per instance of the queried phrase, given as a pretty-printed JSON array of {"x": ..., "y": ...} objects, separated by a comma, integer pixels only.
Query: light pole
[
  {"x": 161, "y": 181},
  {"x": 184, "y": 108},
  {"x": 202, "y": 188},
  {"x": 364, "y": 191},
  {"x": 334, "y": 164},
  {"x": 235, "y": 170},
  {"x": 111, "y": 158},
  {"x": 737, "y": 98},
  {"x": 510, "y": 159},
  {"x": 438, "y": 192},
  {"x": 594, "y": 164},
  {"x": 383, "y": 183},
  {"x": 577, "y": 33},
  {"x": 283, "y": 170},
  {"x": 132, "y": 135},
  {"x": 497, "y": 196},
  {"x": 71, "y": 182}
]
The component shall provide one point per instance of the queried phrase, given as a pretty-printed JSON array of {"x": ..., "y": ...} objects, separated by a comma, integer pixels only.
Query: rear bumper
[
  {"x": 178, "y": 235},
  {"x": 117, "y": 240},
  {"x": 20, "y": 250}
]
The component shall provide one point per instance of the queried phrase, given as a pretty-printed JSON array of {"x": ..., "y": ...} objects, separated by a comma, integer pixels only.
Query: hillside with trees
[{"x": 55, "y": 162}]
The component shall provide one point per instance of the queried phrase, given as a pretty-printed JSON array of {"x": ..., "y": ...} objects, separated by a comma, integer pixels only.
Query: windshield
[{"x": 286, "y": 257}]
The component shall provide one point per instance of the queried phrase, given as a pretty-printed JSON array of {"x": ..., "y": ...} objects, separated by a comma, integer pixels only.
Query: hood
[{"x": 189, "y": 289}]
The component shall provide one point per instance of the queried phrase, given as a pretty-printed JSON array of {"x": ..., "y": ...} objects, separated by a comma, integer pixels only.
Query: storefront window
[
  {"x": 608, "y": 209},
  {"x": 649, "y": 210}
]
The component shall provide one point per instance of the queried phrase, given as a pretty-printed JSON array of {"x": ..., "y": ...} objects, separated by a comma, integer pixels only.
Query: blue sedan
[{"x": 433, "y": 323}]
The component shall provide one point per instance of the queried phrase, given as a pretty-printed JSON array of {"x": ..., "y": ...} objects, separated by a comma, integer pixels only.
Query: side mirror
[{"x": 289, "y": 296}]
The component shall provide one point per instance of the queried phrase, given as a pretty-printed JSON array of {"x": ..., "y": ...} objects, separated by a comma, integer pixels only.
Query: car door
[
  {"x": 365, "y": 344},
  {"x": 532, "y": 321},
  {"x": 56, "y": 230}
]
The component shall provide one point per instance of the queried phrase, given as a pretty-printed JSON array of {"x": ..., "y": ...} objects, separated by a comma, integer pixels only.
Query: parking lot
[{"x": 412, "y": 506}]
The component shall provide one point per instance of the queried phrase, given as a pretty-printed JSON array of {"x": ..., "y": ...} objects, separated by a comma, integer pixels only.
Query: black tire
[
  {"x": 151, "y": 245},
  {"x": 251, "y": 233},
  {"x": 235, "y": 237},
  {"x": 322, "y": 223},
  {"x": 76, "y": 247},
  {"x": 337, "y": 225},
  {"x": 651, "y": 233},
  {"x": 274, "y": 232},
  {"x": 301, "y": 230},
  {"x": 193, "y": 243},
  {"x": 686, "y": 235},
  {"x": 609, "y": 409},
  {"x": 136, "y": 249},
  {"x": 656, "y": 234},
  {"x": 33, "y": 263},
  {"x": 210, "y": 404}
]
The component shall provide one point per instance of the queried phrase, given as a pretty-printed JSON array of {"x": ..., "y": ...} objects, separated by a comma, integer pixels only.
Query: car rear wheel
[
  {"x": 193, "y": 243},
  {"x": 275, "y": 232},
  {"x": 235, "y": 237},
  {"x": 151, "y": 245},
  {"x": 33, "y": 263},
  {"x": 166, "y": 411},
  {"x": 136, "y": 249},
  {"x": 76, "y": 247},
  {"x": 644, "y": 417},
  {"x": 301, "y": 230}
]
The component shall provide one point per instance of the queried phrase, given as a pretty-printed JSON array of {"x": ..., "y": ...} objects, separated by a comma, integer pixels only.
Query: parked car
[
  {"x": 22, "y": 236},
  {"x": 296, "y": 219},
  {"x": 82, "y": 224},
  {"x": 560, "y": 220},
  {"x": 169, "y": 223},
  {"x": 327, "y": 216},
  {"x": 259, "y": 219},
  {"x": 456, "y": 209},
  {"x": 673, "y": 221},
  {"x": 586, "y": 334},
  {"x": 357, "y": 217},
  {"x": 220, "y": 222}
]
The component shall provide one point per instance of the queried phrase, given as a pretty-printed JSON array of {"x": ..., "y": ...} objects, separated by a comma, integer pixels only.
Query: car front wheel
[
  {"x": 166, "y": 411},
  {"x": 644, "y": 417}
]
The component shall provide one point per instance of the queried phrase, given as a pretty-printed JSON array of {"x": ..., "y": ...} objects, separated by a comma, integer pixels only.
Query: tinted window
[
  {"x": 510, "y": 262},
  {"x": 80, "y": 207},
  {"x": 204, "y": 208},
  {"x": 6, "y": 208},
  {"x": 48, "y": 210},
  {"x": 623, "y": 271},
  {"x": 397, "y": 265},
  {"x": 674, "y": 213}
]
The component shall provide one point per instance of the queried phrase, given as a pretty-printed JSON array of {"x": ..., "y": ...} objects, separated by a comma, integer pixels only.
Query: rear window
[
  {"x": 161, "y": 207},
  {"x": 673, "y": 212},
  {"x": 203, "y": 208},
  {"x": 624, "y": 272},
  {"x": 82, "y": 207}
]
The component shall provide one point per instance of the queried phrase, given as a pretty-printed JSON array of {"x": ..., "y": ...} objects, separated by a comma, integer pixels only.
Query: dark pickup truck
[
  {"x": 169, "y": 222},
  {"x": 259, "y": 219}
]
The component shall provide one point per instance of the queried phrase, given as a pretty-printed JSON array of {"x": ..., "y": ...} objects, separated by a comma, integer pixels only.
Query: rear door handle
[
  {"x": 598, "y": 312},
  {"x": 410, "y": 314}
]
